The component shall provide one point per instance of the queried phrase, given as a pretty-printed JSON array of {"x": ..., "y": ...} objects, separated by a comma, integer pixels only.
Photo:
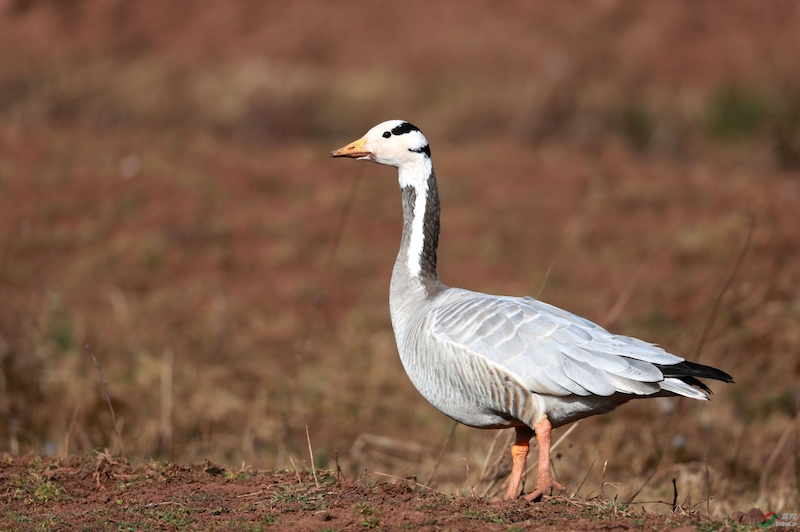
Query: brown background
[{"x": 166, "y": 197}]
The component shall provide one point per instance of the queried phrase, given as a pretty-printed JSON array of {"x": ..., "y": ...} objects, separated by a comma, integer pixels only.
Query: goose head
[
  {"x": 393, "y": 143},
  {"x": 402, "y": 145}
]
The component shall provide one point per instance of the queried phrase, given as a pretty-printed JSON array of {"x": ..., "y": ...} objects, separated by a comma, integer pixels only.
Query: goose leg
[
  {"x": 544, "y": 479},
  {"x": 519, "y": 453}
]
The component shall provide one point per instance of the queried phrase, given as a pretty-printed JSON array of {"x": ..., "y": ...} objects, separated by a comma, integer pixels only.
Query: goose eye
[{"x": 386, "y": 134}]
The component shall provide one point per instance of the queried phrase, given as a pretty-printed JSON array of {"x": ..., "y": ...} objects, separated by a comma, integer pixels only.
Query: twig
[
  {"x": 584, "y": 478},
  {"x": 441, "y": 453},
  {"x": 731, "y": 274},
  {"x": 469, "y": 482},
  {"x": 603, "y": 480},
  {"x": 488, "y": 489},
  {"x": 167, "y": 503},
  {"x": 68, "y": 435},
  {"x": 491, "y": 450},
  {"x": 630, "y": 501},
  {"x": 337, "y": 238},
  {"x": 283, "y": 440},
  {"x": 348, "y": 206},
  {"x": 665, "y": 454},
  {"x": 771, "y": 460},
  {"x": 253, "y": 494},
  {"x": 564, "y": 499},
  {"x": 655, "y": 502},
  {"x": 338, "y": 469},
  {"x": 403, "y": 474},
  {"x": 495, "y": 467},
  {"x": 675, "y": 495},
  {"x": 708, "y": 487},
  {"x": 108, "y": 399},
  {"x": 665, "y": 451},
  {"x": 311, "y": 453},
  {"x": 296, "y": 472},
  {"x": 166, "y": 402},
  {"x": 304, "y": 340},
  {"x": 367, "y": 473},
  {"x": 552, "y": 263},
  {"x": 615, "y": 485},
  {"x": 698, "y": 503},
  {"x": 623, "y": 298}
]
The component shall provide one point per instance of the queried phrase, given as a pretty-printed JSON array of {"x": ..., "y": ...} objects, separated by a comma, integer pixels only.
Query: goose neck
[{"x": 416, "y": 261}]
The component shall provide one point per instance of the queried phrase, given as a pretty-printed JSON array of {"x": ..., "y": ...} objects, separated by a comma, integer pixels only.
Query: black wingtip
[
  {"x": 687, "y": 371},
  {"x": 691, "y": 381}
]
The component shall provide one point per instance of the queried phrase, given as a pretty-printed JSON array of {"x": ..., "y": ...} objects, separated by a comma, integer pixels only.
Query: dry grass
[{"x": 180, "y": 220}]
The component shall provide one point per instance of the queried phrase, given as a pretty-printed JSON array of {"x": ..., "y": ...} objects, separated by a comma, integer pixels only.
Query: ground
[{"x": 102, "y": 493}]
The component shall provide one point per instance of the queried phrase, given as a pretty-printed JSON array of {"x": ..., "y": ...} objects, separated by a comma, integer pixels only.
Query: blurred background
[{"x": 166, "y": 197}]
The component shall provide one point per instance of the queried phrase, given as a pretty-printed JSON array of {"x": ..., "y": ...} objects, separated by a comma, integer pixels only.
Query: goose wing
[{"x": 550, "y": 350}]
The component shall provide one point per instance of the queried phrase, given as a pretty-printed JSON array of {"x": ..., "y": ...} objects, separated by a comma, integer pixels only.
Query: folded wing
[{"x": 555, "y": 352}]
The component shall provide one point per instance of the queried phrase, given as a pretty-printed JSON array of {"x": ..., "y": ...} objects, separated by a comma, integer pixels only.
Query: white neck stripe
[{"x": 416, "y": 176}]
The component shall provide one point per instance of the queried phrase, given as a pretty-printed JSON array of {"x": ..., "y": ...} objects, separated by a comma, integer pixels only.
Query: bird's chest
[{"x": 461, "y": 385}]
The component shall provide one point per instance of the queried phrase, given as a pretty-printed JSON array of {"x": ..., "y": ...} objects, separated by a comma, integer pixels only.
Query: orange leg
[
  {"x": 519, "y": 453},
  {"x": 544, "y": 480}
]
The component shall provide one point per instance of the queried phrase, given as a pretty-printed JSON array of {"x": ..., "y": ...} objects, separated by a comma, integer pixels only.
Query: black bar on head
[{"x": 404, "y": 128}]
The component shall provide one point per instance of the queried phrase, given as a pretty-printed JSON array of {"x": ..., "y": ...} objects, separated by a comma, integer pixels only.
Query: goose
[{"x": 494, "y": 362}]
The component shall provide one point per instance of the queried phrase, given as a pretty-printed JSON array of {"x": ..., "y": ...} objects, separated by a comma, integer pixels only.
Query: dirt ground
[
  {"x": 101, "y": 493},
  {"x": 166, "y": 198}
]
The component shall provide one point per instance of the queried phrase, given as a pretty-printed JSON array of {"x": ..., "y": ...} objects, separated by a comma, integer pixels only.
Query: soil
[{"x": 102, "y": 493}]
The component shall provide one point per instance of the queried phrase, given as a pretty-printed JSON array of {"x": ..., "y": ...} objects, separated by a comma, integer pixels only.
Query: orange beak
[{"x": 355, "y": 150}]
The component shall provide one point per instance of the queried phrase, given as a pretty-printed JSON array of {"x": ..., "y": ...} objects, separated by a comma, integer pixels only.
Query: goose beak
[{"x": 355, "y": 150}]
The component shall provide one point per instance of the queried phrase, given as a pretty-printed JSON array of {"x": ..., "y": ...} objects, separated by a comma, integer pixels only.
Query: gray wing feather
[{"x": 549, "y": 349}]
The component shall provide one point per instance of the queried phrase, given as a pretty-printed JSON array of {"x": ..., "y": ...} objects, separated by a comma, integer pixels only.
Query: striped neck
[{"x": 420, "y": 223}]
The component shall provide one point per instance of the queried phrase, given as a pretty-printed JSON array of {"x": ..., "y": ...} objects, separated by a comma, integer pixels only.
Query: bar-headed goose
[{"x": 497, "y": 361}]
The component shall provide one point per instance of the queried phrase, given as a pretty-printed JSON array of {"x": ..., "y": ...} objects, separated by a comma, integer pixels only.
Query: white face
[
  {"x": 393, "y": 143},
  {"x": 398, "y": 143}
]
